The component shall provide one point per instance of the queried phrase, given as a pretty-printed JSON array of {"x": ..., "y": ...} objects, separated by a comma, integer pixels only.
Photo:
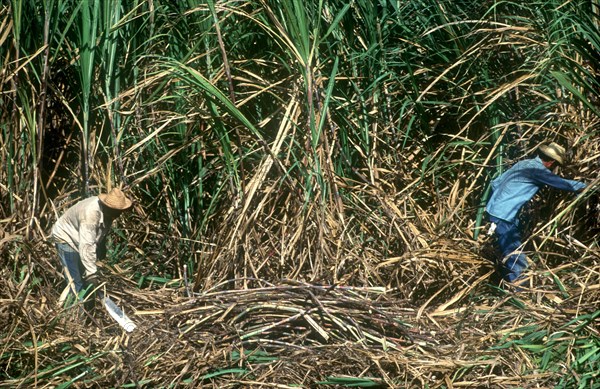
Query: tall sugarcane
[
  {"x": 87, "y": 48},
  {"x": 41, "y": 113},
  {"x": 111, "y": 17}
]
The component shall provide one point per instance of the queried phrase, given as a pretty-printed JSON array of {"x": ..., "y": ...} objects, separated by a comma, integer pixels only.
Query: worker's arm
[
  {"x": 101, "y": 249},
  {"x": 88, "y": 240},
  {"x": 545, "y": 176},
  {"x": 87, "y": 248}
]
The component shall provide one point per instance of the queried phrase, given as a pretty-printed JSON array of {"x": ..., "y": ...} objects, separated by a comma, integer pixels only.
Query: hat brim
[
  {"x": 103, "y": 197},
  {"x": 551, "y": 153}
]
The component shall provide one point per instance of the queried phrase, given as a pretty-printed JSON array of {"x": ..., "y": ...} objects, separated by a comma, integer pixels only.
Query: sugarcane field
[{"x": 300, "y": 194}]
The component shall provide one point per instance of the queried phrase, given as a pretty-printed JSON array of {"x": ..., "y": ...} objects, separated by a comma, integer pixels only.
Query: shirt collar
[{"x": 101, "y": 221}]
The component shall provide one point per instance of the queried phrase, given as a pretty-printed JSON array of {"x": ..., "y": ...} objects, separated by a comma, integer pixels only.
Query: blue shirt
[{"x": 520, "y": 183}]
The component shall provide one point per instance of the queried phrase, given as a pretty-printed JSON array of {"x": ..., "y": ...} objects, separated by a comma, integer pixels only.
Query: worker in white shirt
[{"x": 80, "y": 231}]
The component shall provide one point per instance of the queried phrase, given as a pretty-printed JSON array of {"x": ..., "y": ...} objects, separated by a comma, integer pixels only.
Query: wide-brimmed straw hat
[
  {"x": 554, "y": 151},
  {"x": 115, "y": 199}
]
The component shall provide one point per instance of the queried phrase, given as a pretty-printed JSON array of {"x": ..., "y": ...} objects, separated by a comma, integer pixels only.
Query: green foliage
[{"x": 574, "y": 343}]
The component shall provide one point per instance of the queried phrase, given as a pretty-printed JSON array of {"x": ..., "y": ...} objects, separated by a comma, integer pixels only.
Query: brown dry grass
[
  {"x": 304, "y": 298},
  {"x": 425, "y": 318}
]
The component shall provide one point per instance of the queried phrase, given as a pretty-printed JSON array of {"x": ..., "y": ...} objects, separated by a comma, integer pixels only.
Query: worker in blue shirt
[{"x": 510, "y": 191}]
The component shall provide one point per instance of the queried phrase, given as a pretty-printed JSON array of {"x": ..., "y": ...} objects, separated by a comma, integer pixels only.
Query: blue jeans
[
  {"x": 71, "y": 262},
  {"x": 513, "y": 262}
]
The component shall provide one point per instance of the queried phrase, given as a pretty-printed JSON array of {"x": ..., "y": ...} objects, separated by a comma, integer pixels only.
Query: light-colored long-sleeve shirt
[
  {"x": 520, "y": 183},
  {"x": 82, "y": 227}
]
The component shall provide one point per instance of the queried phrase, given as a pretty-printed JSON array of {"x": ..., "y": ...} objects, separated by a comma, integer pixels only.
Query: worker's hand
[{"x": 93, "y": 282}]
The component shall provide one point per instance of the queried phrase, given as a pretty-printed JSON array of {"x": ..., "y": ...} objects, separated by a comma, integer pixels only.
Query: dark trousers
[
  {"x": 513, "y": 261},
  {"x": 72, "y": 266},
  {"x": 73, "y": 270}
]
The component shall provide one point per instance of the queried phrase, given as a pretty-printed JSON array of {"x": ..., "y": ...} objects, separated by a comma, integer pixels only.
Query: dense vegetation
[{"x": 310, "y": 179}]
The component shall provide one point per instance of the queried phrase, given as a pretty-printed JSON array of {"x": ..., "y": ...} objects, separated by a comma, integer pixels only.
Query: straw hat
[
  {"x": 554, "y": 151},
  {"x": 115, "y": 199}
]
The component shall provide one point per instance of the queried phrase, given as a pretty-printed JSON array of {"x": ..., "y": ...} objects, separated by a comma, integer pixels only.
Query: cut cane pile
[
  {"x": 290, "y": 297},
  {"x": 437, "y": 322}
]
